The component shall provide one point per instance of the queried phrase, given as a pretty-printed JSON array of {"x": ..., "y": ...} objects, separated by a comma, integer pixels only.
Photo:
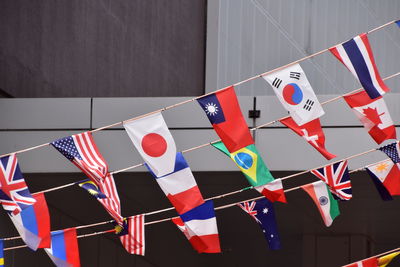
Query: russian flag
[
  {"x": 64, "y": 249},
  {"x": 356, "y": 54},
  {"x": 33, "y": 224},
  {"x": 201, "y": 228},
  {"x": 180, "y": 187}
]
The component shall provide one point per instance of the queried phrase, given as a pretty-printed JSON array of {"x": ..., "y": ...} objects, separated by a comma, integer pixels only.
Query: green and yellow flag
[{"x": 250, "y": 163}]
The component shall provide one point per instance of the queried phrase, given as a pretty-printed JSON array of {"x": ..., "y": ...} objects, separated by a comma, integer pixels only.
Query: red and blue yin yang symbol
[{"x": 292, "y": 94}]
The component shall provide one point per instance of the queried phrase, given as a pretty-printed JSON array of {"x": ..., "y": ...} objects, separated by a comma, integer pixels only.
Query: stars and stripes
[
  {"x": 336, "y": 176},
  {"x": 249, "y": 208},
  {"x": 392, "y": 151},
  {"x": 83, "y": 152},
  {"x": 134, "y": 241},
  {"x": 356, "y": 54},
  {"x": 14, "y": 193}
]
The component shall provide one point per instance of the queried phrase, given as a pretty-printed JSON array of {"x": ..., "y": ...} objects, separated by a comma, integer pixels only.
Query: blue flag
[
  {"x": 263, "y": 213},
  {"x": 1, "y": 253},
  {"x": 398, "y": 23}
]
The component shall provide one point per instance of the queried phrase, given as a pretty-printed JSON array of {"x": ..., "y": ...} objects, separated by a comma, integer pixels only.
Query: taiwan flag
[
  {"x": 374, "y": 115},
  {"x": 33, "y": 224},
  {"x": 312, "y": 133},
  {"x": 152, "y": 138},
  {"x": 223, "y": 111},
  {"x": 64, "y": 251}
]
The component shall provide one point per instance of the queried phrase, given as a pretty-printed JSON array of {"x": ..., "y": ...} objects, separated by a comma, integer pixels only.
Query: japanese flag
[
  {"x": 295, "y": 93},
  {"x": 153, "y": 140}
]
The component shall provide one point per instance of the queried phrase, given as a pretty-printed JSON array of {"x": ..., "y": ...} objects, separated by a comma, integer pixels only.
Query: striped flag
[
  {"x": 356, "y": 55},
  {"x": 134, "y": 241},
  {"x": 64, "y": 250},
  {"x": 83, "y": 152},
  {"x": 328, "y": 207},
  {"x": 106, "y": 193}
]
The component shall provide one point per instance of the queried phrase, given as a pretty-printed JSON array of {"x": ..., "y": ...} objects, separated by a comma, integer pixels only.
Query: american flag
[
  {"x": 249, "y": 208},
  {"x": 83, "y": 152},
  {"x": 134, "y": 241},
  {"x": 336, "y": 176},
  {"x": 107, "y": 194},
  {"x": 14, "y": 194},
  {"x": 392, "y": 151}
]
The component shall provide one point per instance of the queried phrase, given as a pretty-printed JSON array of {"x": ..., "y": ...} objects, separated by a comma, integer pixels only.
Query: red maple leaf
[{"x": 372, "y": 115}]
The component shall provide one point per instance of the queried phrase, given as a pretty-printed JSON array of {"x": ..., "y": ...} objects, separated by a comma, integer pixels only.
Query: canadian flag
[
  {"x": 373, "y": 114},
  {"x": 153, "y": 140},
  {"x": 313, "y": 134}
]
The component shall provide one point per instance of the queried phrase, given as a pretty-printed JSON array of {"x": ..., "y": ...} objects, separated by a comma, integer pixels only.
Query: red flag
[
  {"x": 374, "y": 115},
  {"x": 373, "y": 262},
  {"x": 223, "y": 111},
  {"x": 273, "y": 191},
  {"x": 313, "y": 134}
]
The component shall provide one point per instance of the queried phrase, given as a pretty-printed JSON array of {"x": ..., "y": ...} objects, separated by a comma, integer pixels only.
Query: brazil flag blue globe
[{"x": 249, "y": 162}]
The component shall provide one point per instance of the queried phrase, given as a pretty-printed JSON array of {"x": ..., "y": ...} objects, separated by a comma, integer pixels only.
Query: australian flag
[{"x": 262, "y": 211}]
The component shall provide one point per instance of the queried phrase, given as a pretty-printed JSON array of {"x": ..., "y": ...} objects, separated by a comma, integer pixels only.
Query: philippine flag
[
  {"x": 293, "y": 90},
  {"x": 180, "y": 186},
  {"x": 64, "y": 251},
  {"x": 386, "y": 177},
  {"x": 374, "y": 115},
  {"x": 200, "y": 227},
  {"x": 356, "y": 54},
  {"x": 223, "y": 110},
  {"x": 33, "y": 224},
  {"x": 153, "y": 140}
]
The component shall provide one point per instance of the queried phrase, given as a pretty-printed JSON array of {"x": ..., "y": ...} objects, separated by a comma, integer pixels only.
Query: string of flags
[
  {"x": 151, "y": 137},
  {"x": 381, "y": 260}
]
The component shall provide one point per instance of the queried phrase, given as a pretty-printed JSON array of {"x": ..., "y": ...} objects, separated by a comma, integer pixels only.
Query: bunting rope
[
  {"x": 195, "y": 98},
  {"x": 376, "y": 256},
  {"x": 171, "y": 208},
  {"x": 210, "y": 143}
]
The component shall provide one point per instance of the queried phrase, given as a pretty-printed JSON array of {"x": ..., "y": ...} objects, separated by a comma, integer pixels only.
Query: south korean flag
[{"x": 295, "y": 93}]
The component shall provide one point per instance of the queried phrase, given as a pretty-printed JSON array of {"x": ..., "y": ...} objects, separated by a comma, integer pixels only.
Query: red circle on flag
[{"x": 154, "y": 145}]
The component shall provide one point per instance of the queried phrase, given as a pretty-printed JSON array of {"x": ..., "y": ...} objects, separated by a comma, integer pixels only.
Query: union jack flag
[
  {"x": 14, "y": 194},
  {"x": 249, "y": 208},
  {"x": 83, "y": 152},
  {"x": 336, "y": 176}
]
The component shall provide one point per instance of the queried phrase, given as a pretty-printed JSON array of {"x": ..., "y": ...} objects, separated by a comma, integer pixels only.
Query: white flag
[
  {"x": 153, "y": 140},
  {"x": 295, "y": 93}
]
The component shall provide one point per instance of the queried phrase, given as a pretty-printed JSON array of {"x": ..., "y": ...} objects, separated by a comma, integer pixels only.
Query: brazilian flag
[{"x": 249, "y": 162}]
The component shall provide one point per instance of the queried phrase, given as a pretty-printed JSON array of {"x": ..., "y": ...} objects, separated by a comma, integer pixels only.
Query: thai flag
[
  {"x": 180, "y": 187},
  {"x": 356, "y": 55},
  {"x": 64, "y": 249},
  {"x": 33, "y": 224},
  {"x": 83, "y": 152},
  {"x": 201, "y": 228}
]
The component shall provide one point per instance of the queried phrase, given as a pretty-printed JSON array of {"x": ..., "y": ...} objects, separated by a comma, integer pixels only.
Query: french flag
[
  {"x": 64, "y": 251},
  {"x": 356, "y": 54},
  {"x": 200, "y": 227},
  {"x": 180, "y": 187},
  {"x": 273, "y": 191},
  {"x": 33, "y": 224}
]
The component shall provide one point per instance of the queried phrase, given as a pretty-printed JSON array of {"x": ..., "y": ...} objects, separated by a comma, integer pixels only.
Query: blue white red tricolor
[
  {"x": 64, "y": 251},
  {"x": 33, "y": 224},
  {"x": 356, "y": 54},
  {"x": 83, "y": 152},
  {"x": 14, "y": 193},
  {"x": 200, "y": 226},
  {"x": 336, "y": 176}
]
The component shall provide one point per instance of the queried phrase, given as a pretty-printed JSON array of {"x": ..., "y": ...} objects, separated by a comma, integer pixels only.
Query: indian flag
[
  {"x": 249, "y": 162},
  {"x": 322, "y": 197}
]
